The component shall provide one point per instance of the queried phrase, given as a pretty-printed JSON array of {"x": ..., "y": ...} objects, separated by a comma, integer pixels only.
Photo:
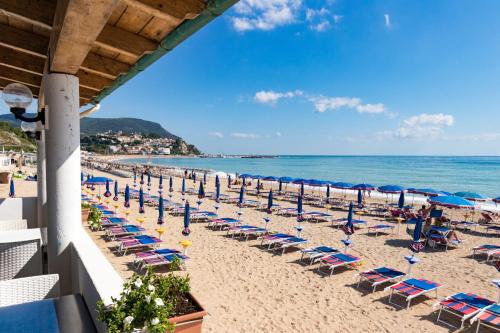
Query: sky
[{"x": 330, "y": 77}]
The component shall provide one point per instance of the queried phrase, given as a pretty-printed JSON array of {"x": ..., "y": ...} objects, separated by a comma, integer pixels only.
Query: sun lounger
[
  {"x": 317, "y": 216},
  {"x": 254, "y": 232},
  {"x": 411, "y": 288},
  {"x": 164, "y": 259},
  {"x": 488, "y": 317},
  {"x": 337, "y": 260},
  {"x": 314, "y": 253},
  {"x": 271, "y": 239},
  {"x": 380, "y": 275},
  {"x": 289, "y": 242},
  {"x": 145, "y": 254},
  {"x": 288, "y": 211},
  {"x": 464, "y": 225},
  {"x": 463, "y": 306},
  {"x": 340, "y": 222},
  {"x": 238, "y": 229},
  {"x": 223, "y": 222},
  {"x": 493, "y": 228},
  {"x": 438, "y": 236},
  {"x": 135, "y": 242},
  {"x": 124, "y": 230},
  {"x": 202, "y": 216},
  {"x": 486, "y": 249},
  {"x": 113, "y": 221},
  {"x": 378, "y": 228}
]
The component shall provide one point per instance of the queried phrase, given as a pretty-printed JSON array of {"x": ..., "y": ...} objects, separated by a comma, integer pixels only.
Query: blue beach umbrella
[
  {"x": 160, "y": 186},
  {"x": 201, "y": 191},
  {"x": 390, "y": 189},
  {"x": 401, "y": 201},
  {"x": 287, "y": 180},
  {"x": 471, "y": 196},
  {"x": 270, "y": 202},
  {"x": 342, "y": 185},
  {"x": 363, "y": 187},
  {"x": 126, "y": 203},
  {"x": 186, "y": 230},
  {"x": 451, "y": 201},
  {"x": 228, "y": 181},
  {"x": 205, "y": 178},
  {"x": 429, "y": 192},
  {"x": 270, "y": 178},
  {"x": 161, "y": 210},
  {"x": 194, "y": 177},
  {"x": 170, "y": 184},
  {"x": 88, "y": 176},
  {"x": 327, "y": 193},
  {"x": 142, "y": 179},
  {"x": 135, "y": 178},
  {"x": 299, "y": 204},
  {"x": 107, "y": 194},
  {"x": 348, "y": 227},
  {"x": 97, "y": 181},
  {"x": 360, "y": 198},
  {"x": 183, "y": 187},
  {"x": 245, "y": 175},
  {"x": 416, "y": 246},
  {"x": 217, "y": 181},
  {"x": 141, "y": 201},
  {"x": 242, "y": 196},
  {"x": 115, "y": 198},
  {"x": 12, "y": 192},
  {"x": 217, "y": 191}
]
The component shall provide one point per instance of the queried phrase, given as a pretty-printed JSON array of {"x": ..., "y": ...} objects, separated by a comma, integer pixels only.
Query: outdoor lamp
[
  {"x": 18, "y": 97},
  {"x": 31, "y": 130}
]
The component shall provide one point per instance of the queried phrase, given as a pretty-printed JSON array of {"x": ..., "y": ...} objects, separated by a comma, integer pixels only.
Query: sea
[{"x": 445, "y": 173}]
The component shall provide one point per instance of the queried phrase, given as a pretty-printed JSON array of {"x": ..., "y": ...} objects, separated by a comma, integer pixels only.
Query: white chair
[
  {"x": 20, "y": 253},
  {"x": 29, "y": 289},
  {"x": 8, "y": 225}
]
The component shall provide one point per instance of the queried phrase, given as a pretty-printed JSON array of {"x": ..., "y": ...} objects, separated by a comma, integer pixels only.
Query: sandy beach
[{"x": 247, "y": 289}]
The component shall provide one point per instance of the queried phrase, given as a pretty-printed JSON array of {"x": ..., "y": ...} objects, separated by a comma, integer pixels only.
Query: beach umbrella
[
  {"x": 390, "y": 189},
  {"x": 245, "y": 175},
  {"x": 241, "y": 198},
  {"x": 258, "y": 186},
  {"x": 401, "y": 201},
  {"x": 217, "y": 181},
  {"x": 183, "y": 187},
  {"x": 471, "y": 196},
  {"x": 161, "y": 210},
  {"x": 360, "y": 198},
  {"x": 149, "y": 179},
  {"x": 364, "y": 187},
  {"x": 205, "y": 178},
  {"x": 170, "y": 184},
  {"x": 141, "y": 201},
  {"x": 327, "y": 193},
  {"x": 342, "y": 185},
  {"x": 88, "y": 176},
  {"x": 115, "y": 198},
  {"x": 186, "y": 230},
  {"x": 497, "y": 200},
  {"x": 445, "y": 193},
  {"x": 270, "y": 178},
  {"x": 348, "y": 227},
  {"x": 429, "y": 192},
  {"x": 301, "y": 189},
  {"x": 126, "y": 204},
  {"x": 416, "y": 245},
  {"x": 280, "y": 186},
  {"x": 270, "y": 202},
  {"x": 217, "y": 191},
  {"x": 451, "y": 201},
  {"x": 299, "y": 208},
  {"x": 160, "y": 186},
  {"x": 97, "y": 181},
  {"x": 228, "y": 181},
  {"x": 107, "y": 194},
  {"x": 12, "y": 192},
  {"x": 286, "y": 180},
  {"x": 142, "y": 179},
  {"x": 194, "y": 178},
  {"x": 201, "y": 191}
]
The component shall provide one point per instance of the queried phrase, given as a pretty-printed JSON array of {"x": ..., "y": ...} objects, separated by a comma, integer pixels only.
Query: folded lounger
[
  {"x": 337, "y": 260},
  {"x": 271, "y": 239},
  {"x": 380, "y": 275},
  {"x": 314, "y": 253},
  {"x": 493, "y": 228},
  {"x": 134, "y": 242},
  {"x": 251, "y": 203},
  {"x": 488, "y": 317},
  {"x": 487, "y": 249},
  {"x": 145, "y": 254},
  {"x": 411, "y": 288},
  {"x": 285, "y": 243},
  {"x": 124, "y": 230},
  {"x": 464, "y": 225},
  {"x": 223, "y": 222},
  {"x": 164, "y": 259},
  {"x": 463, "y": 306},
  {"x": 378, "y": 228}
]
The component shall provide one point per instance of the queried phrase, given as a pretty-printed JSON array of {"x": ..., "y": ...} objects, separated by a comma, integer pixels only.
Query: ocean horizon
[{"x": 479, "y": 174}]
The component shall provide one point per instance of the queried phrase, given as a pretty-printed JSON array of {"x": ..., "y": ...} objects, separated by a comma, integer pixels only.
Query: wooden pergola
[{"x": 100, "y": 41}]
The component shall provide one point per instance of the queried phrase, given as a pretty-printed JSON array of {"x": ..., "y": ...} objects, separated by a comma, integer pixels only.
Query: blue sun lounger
[
  {"x": 380, "y": 275},
  {"x": 315, "y": 253}
]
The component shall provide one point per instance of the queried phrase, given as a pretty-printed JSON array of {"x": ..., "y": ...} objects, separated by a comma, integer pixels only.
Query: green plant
[
  {"x": 94, "y": 219},
  {"x": 85, "y": 205},
  {"x": 146, "y": 302}
]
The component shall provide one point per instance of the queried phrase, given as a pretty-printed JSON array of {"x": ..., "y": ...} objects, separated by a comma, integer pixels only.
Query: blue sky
[{"x": 331, "y": 77}]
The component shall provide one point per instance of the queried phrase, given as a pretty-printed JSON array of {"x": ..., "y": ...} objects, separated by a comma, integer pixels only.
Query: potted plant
[
  {"x": 94, "y": 219},
  {"x": 153, "y": 303},
  {"x": 85, "y": 211}
]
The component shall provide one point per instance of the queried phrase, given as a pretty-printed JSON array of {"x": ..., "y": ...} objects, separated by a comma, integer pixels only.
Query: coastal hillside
[{"x": 12, "y": 138}]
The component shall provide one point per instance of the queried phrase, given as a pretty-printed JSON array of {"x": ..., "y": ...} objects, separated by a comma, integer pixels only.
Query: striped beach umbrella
[
  {"x": 161, "y": 210},
  {"x": 115, "y": 198},
  {"x": 107, "y": 194},
  {"x": 141, "y": 201},
  {"x": 126, "y": 203},
  {"x": 201, "y": 191},
  {"x": 186, "y": 230},
  {"x": 270, "y": 202},
  {"x": 12, "y": 192}
]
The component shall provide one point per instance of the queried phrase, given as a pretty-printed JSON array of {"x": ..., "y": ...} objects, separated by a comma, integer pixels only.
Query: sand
[{"x": 247, "y": 289}]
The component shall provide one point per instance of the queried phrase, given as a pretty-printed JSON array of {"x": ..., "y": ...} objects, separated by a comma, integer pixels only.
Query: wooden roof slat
[
  {"x": 133, "y": 20},
  {"x": 103, "y": 66},
  {"x": 23, "y": 41},
  {"x": 122, "y": 41},
  {"x": 21, "y": 61},
  {"x": 92, "y": 81},
  {"x": 5, "y": 82},
  {"x": 169, "y": 10},
  {"x": 16, "y": 75},
  {"x": 34, "y": 11}
]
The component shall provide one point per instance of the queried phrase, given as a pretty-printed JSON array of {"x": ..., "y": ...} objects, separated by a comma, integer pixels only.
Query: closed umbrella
[
  {"x": 141, "y": 201},
  {"x": 270, "y": 202},
  {"x": 302, "y": 188},
  {"x": 201, "y": 191},
  {"x": 107, "y": 194},
  {"x": 348, "y": 228},
  {"x": 160, "y": 186},
  {"x": 126, "y": 203},
  {"x": 205, "y": 178},
  {"x": 149, "y": 179},
  {"x": 228, "y": 181},
  {"x": 161, "y": 210},
  {"x": 242, "y": 196},
  {"x": 280, "y": 186},
  {"x": 401, "y": 201},
  {"x": 142, "y": 179},
  {"x": 81, "y": 178},
  {"x": 194, "y": 178},
  {"x": 327, "y": 193},
  {"x": 360, "y": 198},
  {"x": 183, "y": 187},
  {"x": 115, "y": 198},
  {"x": 217, "y": 180},
  {"x": 217, "y": 191},
  {"x": 170, "y": 184},
  {"x": 258, "y": 186},
  {"x": 299, "y": 208},
  {"x": 135, "y": 179},
  {"x": 12, "y": 192},
  {"x": 186, "y": 230},
  {"x": 416, "y": 245}
]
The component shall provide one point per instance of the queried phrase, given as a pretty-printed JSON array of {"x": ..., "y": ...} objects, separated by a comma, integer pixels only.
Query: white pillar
[
  {"x": 41, "y": 181},
  {"x": 62, "y": 149}
]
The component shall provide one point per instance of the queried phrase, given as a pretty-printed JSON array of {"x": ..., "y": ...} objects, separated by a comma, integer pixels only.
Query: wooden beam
[
  {"x": 76, "y": 25},
  {"x": 21, "y": 61},
  {"x": 119, "y": 40},
  {"x": 15, "y": 75},
  {"x": 92, "y": 81},
  {"x": 23, "y": 41},
  {"x": 168, "y": 9},
  {"x": 38, "y": 12},
  {"x": 103, "y": 66}
]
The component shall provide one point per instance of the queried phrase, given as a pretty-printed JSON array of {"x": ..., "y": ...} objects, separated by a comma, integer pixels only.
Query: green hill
[{"x": 12, "y": 138}]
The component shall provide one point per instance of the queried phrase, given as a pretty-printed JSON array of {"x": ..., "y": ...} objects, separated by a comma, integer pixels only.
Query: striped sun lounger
[
  {"x": 337, "y": 260},
  {"x": 124, "y": 230},
  {"x": 223, "y": 222},
  {"x": 164, "y": 259},
  {"x": 487, "y": 249},
  {"x": 289, "y": 242},
  {"x": 411, "y": 288},
  {"x": 145, "y": 254},
  {"x": 202, "y": 216},
  {"x": 253, "y": 232},
  {"x": 378, "y": 228},
  {"x": 462, "y": 305},
  {"x": 134, "y": 242},
  {"x": 271, "y": 239},
  {"x": 113, "y": 221},
  {"x": 317, "y": 216},
  {"x": 380, "y": 275},
  {"x": 238, "y": 229},
  {"x": 488, "y": 317},
  {"x": 314, "y": 253}
]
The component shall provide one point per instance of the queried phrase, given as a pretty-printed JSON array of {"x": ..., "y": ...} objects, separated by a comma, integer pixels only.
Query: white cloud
[
  {"x": 265, "y": 14},
  {"x": 387, "y": 20},
  {"x": 337, "y": 18},
  {"x": 481, "y": 137},
  {"x": 423, "y": 126},
  {"x": 278, "y": 134},
  {"x": 321, "y": 19},
  {"x": 272, "y": 97},
  {"x": 321, "y": 26},
  {"x": 325, "y": 103},
  {"x": 241, "y": 135},
  {"x": 216, "y": 134}
]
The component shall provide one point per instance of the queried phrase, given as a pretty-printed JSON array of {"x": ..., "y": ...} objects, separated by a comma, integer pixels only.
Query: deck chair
[
  {"x": 164, "y": 260},
  {"x": 378, "y": 228},
  {"x": 289, "y": 242},
  {"x": 124, "y": 230},
  {"x": 317, "y": 216},
  {"x": 488, "y": 317},
  {"x": 258, "y": 232},
  {"x": 486, "y": 249},
  {"x": 271, "y": 239},
  {"x": 238, "y": 229},
  {"x": 315, "y": 253},
  {"x": 224, "y": 222},
  {"x": 380, "y": 275},
  {"x": 145, "y": 254},
  {"x": 113, "y": 221},
  {"x": 437, "y": 236},
  {"x": 411, "y": 288},
  {"x": 135, "y": 242},
  {"x": 337, "y": 260},
  {"x": 462, "y": 305}
]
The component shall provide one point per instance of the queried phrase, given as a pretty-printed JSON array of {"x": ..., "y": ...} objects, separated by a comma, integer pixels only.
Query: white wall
[{"x": 20, "y": 208}]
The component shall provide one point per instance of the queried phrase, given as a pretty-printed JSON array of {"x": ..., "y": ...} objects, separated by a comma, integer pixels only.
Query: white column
[
  {"x": 62, "y": 149},
  {"x": 41, "y": 181}
]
